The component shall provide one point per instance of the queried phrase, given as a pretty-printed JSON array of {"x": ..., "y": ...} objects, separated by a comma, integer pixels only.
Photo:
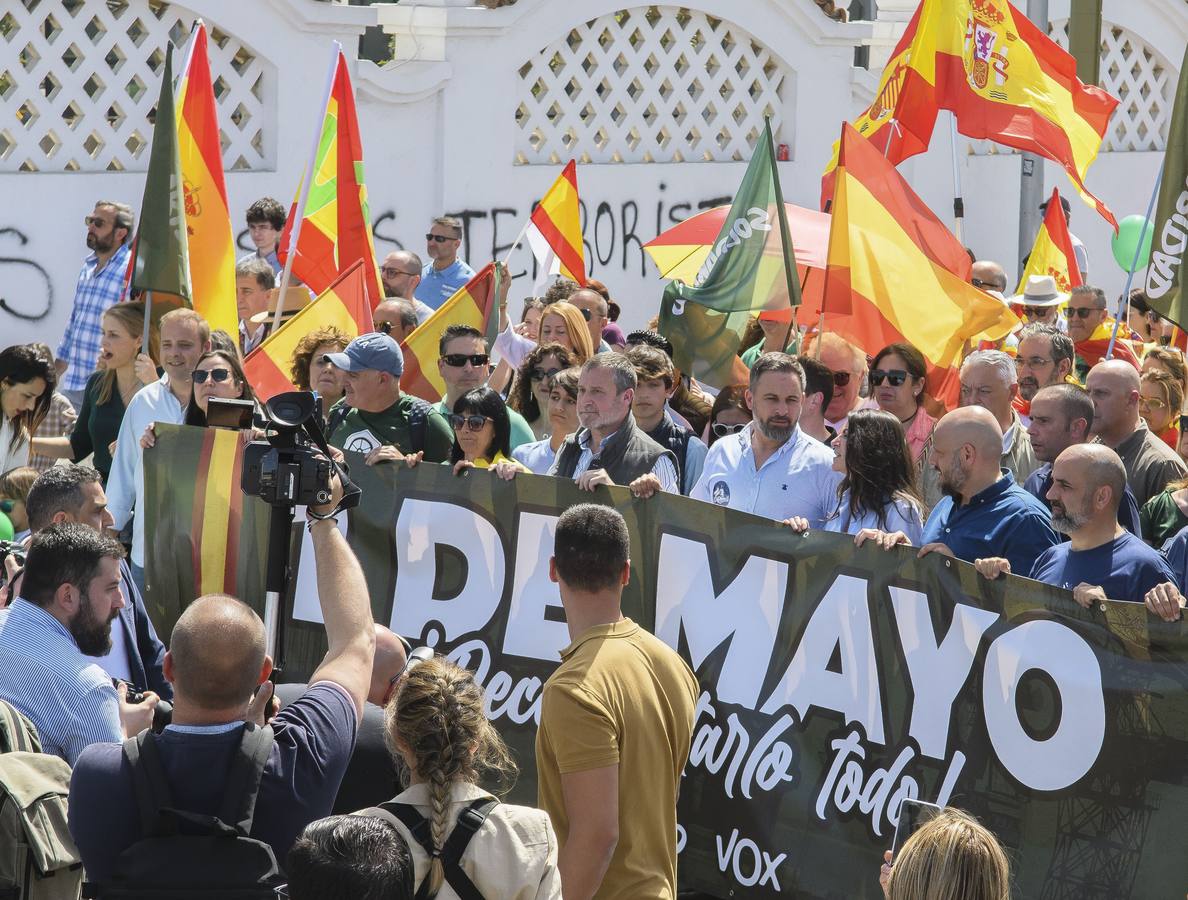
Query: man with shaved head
[
  {"x": 1101, "y": 560},
  {"x": 594, "y": 307},
  {"x": 1150, "y": 464},
  {"x": 218, "y": 665},
  {"x": 983, "y": 511}
]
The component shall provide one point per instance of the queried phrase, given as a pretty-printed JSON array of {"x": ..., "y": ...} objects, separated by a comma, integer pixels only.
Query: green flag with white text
[
  {"x": 1165, "y": 274},
  {"x": 161, "y": 254},
  {"x": 750, "y": 269}
]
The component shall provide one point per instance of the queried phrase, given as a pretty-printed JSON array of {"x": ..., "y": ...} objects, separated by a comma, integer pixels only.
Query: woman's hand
[{"x": 462, "y": 465}]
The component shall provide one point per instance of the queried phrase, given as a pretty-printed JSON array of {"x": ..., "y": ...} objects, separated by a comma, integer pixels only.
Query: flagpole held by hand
[
  {"x": 299, "y": 212},
  {"x": 148, "y": 320},
  {"x": 1124, "y": 300}
]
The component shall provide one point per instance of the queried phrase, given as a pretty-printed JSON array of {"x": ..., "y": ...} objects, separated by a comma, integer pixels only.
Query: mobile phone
[
  {"x": 225, "y": 413},
  {"x": 912, "y": 815}
]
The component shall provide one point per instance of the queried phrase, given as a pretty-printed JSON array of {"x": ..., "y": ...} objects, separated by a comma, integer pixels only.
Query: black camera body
[{"x": 287, "y": 469}]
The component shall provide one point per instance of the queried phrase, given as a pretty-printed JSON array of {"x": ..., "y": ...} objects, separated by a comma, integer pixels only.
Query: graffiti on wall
[{"x": 26, "y": 290}]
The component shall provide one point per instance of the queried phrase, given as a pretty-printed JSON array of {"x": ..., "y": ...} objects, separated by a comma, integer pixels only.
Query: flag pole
[
  {"x": 299, "y": 212},
  {"x": 519, "y": 239},
  {"x": 1124, "y": 300},
  {"x": 958, "y": 200}
]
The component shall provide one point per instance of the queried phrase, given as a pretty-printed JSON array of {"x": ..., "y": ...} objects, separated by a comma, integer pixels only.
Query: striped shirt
[
  {"x": 44, "y": 675},
  {"x": 58, "y": 422},
  {"x": 94, "y": 293}
]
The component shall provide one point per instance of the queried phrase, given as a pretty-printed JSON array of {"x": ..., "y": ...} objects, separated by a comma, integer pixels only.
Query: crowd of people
[{"x": 1054, "y": 464}]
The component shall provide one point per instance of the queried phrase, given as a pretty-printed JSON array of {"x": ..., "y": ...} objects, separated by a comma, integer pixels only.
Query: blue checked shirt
[
  {"x": 93, "y": 295},
  {"x": 44, "y": 675}
]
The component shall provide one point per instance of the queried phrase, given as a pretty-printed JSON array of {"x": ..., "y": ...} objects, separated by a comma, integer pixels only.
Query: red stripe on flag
[
  {"x": 200, "y": 112},
  {"x": 569, "y": 256},
  {"x": 265, "y": 376}
]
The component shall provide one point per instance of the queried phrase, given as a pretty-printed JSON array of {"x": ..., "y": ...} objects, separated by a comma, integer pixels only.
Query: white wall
[{"x": 439, "y": 136}]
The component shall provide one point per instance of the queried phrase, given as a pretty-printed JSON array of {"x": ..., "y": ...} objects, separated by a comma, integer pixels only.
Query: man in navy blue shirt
[
  {"x": 983, "y": 512},
  {"x": 216, "y": 660},
  {"x": 1101, "y": 560},
  {"x": 1061, "y": 416}
]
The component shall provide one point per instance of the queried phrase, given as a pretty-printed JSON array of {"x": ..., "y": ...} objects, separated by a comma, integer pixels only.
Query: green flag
[
  {"x": 1165, "y": 274},
  {"x": 751, "y": 268},
  {"x": 161, "y": 252}
]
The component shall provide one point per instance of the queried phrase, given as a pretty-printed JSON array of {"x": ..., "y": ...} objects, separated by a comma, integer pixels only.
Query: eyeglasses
[
  {"x": 440, "y": 238},
  {"x": 987, "y": 285},
  {"x": 389, "y": 272},
  {"x": 218, "y": 376},
  {"x": 1151, "y": 403},
  {"x": 458, "y": 360},
  {"x": 95, "y": 220},
  {"x": 895, "y": 376},
  {"x": 586, "y": 314},
  {"x": 1038, "y": 312},
  {"x": 383, "y": 327},
  {"x": 1083, "y": 312},
  {"x": 721, "y": 429},
  {"x": 470, "y": 423},
  {"x": 542, "y": 374},
  {"x": 841, "y": 379},
  {"x": 1032, "y": 362}
]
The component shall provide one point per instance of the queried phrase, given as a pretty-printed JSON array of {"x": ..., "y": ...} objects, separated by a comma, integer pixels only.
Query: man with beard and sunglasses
[
  {"x": 772, "y": 468},
  {"x": 70, "y": 595},
  {"x": 983, "y": 512},
  {"x": 1101, "y": 559}
]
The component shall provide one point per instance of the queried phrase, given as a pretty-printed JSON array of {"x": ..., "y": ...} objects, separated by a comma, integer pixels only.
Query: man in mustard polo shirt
[{"x": 615, "y": 727}]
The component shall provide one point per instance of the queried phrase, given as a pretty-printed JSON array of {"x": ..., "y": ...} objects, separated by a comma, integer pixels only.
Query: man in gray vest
[{"x": 609, "y": 448}]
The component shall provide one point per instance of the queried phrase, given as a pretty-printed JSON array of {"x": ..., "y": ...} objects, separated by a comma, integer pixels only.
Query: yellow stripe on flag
[{"x": 216, "y": 514}]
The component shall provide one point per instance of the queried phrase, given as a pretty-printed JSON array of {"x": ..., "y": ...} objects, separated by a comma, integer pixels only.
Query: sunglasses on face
[
  {"x": 440, "y": 238},
  {"x": 470, "y": 423},
  {"x": 1083, "y": 312},
  {"x": 721, "y": 429},
  {"x": 1151, "y": 403},
  {"x": 985, "y": 285},
  {"x": 389, "y": 272},
  {"x": 841, "y": 379},
  {"x": 586, "y": 314},
  {"x": 412, "y": 659},
  {"x": 384, "y": 327},
  {"x": 542, "y": 374},
  {"x": 895, "y": 376},
  {"x": 94, "y": 220},
  {"x": 1038, "y": 312},
  {"x": 218, "y": 376},
  {"x": 458, "y": 360}
]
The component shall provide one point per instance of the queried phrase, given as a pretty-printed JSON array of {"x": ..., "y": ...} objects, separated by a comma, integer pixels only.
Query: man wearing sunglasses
[
  {"x": 464, "y": 365},
  {"x": 373, "y": 417},
  {"x": 1040, "y": 302},
  {"x": 400, "y": 275},
  {"x": 594, "y": 309},
  {"x": 987, "y": 275},
  {"x": 848, "y": 365},
  {"x": 100, "y": 285},
  {"x": 444, "y": 273},
  {"x": 395, "y": 317}
]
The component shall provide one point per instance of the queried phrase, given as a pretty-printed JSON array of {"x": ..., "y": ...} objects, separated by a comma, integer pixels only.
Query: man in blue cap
[{"x": 373, "y": 417}]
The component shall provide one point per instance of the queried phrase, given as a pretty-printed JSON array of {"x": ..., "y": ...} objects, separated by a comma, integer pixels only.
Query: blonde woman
[
  {"x": 125, "y": 371},
  {"x": 951, "y": 857},
  {"x": 436, "y": 725}
]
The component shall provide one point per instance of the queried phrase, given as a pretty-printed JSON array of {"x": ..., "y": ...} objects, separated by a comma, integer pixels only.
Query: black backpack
[
  {"x": 189, "y": 855},
  {"x": 418, "y": 422},
  {"x": 470, "y": 820}
]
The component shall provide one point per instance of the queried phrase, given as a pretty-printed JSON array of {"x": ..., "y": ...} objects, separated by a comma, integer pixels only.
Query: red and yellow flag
[
  {"x": 895, "y": 273},
  {"x": 555, "y": 229},
  {"x": 1052, "y": 253},
  {"x": 208, "y": 217},
  {"x": 472, "y": 304},
  {"x": 343, "y": 305},
  {"x": 336, "y": 222},
  {"x": 1002, "y": 78}
]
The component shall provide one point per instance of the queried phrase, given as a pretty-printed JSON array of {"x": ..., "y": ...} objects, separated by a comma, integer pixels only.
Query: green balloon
[
  {"x": 6, "y": 530},
  {"x": 1127, "y": 239}
]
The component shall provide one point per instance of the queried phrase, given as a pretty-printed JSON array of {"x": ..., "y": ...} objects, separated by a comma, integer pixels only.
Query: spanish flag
[
  {"x": 1002, "y": 78},
  {"x": 208, "y": 217},
  {"x": 895, "y": 273},
  {"x": 472, "y": 304},
  {"x": 555, "y": 229},
  {"x": 343, "y": 305},
  {"x": 336, "y": 222},
  {"x": 1052, "y": 253}
]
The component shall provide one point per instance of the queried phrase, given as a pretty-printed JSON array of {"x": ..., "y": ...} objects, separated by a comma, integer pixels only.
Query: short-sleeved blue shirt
[
  {"x": 1125, "y": 568},
  {"x": 314, "y": 739},
  {"x": 438, "y": 285},
  {"x": 1003, "y": 520}
]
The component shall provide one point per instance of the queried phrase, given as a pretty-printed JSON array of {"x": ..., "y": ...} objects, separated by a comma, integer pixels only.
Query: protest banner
[{"x": 835, "y": 681}]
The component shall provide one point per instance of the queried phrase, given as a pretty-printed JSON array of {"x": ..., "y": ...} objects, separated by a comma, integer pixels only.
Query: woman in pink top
[{"x": 897, "y": 385}]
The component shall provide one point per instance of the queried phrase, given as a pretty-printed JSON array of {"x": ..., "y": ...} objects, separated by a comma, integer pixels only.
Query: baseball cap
[{"x": 371, "y": 351}]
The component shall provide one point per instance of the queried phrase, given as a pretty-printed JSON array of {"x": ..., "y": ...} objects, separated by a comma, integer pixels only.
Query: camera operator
[
  {"x": 70, "y": 595},
  {"x": 216, "y": 660},
  {"x": 73, "y": 493}
]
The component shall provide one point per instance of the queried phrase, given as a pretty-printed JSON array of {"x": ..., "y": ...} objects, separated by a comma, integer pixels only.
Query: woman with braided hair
[{"x": 464, "y": 842}]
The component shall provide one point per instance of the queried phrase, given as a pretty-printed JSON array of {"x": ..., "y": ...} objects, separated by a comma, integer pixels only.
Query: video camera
[{"x": 287, "y": 469}]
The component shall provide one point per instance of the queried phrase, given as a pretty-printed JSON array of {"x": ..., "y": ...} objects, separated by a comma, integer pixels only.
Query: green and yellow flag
[
  {"x": 750, "y": 269},
  {"x": 1165, "y": 274}
]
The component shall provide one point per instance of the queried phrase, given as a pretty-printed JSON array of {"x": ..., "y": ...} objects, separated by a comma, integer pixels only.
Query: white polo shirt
[{"x": 796, "y": 480}]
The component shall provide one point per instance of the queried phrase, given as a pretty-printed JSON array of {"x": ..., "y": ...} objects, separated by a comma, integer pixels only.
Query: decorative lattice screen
[
  {"x": 649, "y": 84},
  {"x": 79, "y": 81},
  {"x": 1139, "y": 77}
]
